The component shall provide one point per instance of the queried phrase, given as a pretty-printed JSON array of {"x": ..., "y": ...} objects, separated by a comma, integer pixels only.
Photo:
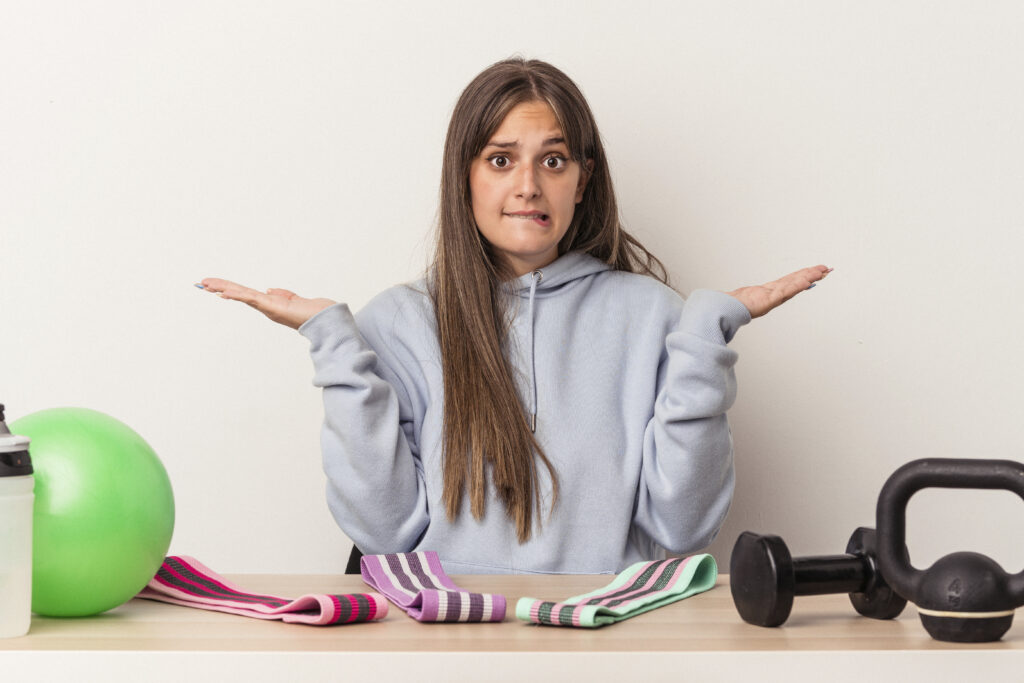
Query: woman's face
[{"x": 524, "y": 187}]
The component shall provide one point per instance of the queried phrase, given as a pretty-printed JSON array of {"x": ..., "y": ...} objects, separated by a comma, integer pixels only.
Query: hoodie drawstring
[{"x": 537, "y": 277}]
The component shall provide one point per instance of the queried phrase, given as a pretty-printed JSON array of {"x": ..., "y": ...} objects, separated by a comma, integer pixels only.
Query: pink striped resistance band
[
  {"x": 639, "y": 588},
  {"x": 416, "y": 583},
  {"x": 185, "y": 581}
]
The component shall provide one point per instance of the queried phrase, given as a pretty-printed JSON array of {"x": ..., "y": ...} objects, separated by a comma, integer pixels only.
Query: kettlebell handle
[{"x": 950, "y": 473}]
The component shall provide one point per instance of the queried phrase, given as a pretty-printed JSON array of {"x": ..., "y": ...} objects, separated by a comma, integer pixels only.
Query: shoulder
[
  {"x": 646, "y": 301},
  {"x": 638, "y": 291},
  {"x": 400, "y": 317},
  {"x": 399, "y": 305}
]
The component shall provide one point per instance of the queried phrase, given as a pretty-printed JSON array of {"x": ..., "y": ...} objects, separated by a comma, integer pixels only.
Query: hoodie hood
[{"x": 557, "y": 275}]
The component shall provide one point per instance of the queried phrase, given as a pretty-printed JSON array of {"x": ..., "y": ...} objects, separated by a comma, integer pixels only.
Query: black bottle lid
[{"x": 14, "y": 458}]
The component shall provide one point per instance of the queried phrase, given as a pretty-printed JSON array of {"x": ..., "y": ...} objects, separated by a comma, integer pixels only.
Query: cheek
[
  {"x": 482, "y": 195},
  {"x": 570, "y": 194},
  {"x": 480, "y": 206}
]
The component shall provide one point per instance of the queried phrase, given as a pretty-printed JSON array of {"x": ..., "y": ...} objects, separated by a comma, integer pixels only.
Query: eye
[
  {"x": 555, "y": 162},
  {"x": 499, "y": 161}
]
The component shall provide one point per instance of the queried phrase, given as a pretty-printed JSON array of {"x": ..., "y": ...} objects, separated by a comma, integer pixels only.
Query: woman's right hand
[{"x": 280, "y": 305}]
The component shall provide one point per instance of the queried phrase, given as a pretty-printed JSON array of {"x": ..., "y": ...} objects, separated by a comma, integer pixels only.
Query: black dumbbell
[{"x": 764, "y": 577}]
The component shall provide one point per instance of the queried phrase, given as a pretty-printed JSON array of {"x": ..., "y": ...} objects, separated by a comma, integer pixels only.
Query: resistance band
[
  {"x": 183, "y": 580},
  {"x": 639, "y": 588},
  {"x": 417, "y": 584}
]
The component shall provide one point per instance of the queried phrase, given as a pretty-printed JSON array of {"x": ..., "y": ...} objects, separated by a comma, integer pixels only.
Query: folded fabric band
[
  {"x": 185, "y": 581},
  {"x": 416, "y": 583},
  {"x": 639, "y": 588}
]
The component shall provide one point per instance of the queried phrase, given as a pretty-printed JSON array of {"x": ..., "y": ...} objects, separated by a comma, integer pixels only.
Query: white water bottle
[{"x": 16, "y": 499}]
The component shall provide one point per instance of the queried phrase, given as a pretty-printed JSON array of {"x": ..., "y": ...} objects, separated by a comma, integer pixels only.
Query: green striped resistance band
[{"x": 639, "y": 588}]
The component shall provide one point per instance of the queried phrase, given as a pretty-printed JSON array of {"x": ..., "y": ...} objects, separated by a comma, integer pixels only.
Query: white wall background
[{"x": 145, "y": 145}]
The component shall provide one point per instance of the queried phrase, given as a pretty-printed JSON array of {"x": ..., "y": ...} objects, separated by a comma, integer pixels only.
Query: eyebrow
[{"x": 515, "y": 143}]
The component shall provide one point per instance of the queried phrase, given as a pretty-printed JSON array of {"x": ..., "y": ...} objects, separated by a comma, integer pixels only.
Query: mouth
[{"x": 538, "y": 217}]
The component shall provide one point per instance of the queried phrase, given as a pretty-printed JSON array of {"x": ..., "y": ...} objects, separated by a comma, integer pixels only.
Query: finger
[
  {"x": 785, "y": 288},
  {"x": 816, "y": 273},
  {"x": 813, "y": 274},
  {"x": 800, "y": 280},
  {"x": 277, "y": 291},
  {"x": 216, "y": 284},
  {"x": 226, "y": 289},
  {"x": 246, "y": 295}
]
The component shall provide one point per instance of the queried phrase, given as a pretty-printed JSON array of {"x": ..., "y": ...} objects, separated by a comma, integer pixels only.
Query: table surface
[{"x": 703, "y": 623}]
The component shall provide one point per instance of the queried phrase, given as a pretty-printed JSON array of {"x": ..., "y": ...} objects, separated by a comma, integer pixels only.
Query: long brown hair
[{"x": 485, "y": 426}]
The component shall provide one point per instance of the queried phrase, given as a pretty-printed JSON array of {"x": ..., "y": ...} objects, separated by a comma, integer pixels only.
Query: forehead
[{"x": 528, "y": 119}]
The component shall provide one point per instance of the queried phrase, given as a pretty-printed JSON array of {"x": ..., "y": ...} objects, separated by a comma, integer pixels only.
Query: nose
[{"x": 526, "y": 182}]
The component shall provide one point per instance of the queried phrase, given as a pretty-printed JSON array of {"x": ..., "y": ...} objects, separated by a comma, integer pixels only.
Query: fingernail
[
  {"x": 199, "y": 286},
  {"x": 813, "y": 285}
]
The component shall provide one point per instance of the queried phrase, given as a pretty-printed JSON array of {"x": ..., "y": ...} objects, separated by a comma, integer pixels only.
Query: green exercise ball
[{"x": 104, "y": 511}]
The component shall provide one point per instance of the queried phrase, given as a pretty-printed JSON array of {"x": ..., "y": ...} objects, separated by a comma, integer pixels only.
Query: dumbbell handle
[
  {"x": 765, "y": 577},
  {"x": 828, "y": 574}
]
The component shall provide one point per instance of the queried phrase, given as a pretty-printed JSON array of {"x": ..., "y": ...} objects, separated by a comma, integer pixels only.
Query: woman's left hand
[{"x": 760, "y": 299}]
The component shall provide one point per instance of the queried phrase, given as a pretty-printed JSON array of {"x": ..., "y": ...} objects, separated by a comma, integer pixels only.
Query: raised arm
[
  {"x": 687, "y": 482},
  {"x": 370, "y": 448},
  {"x": 375, "y": 487}
]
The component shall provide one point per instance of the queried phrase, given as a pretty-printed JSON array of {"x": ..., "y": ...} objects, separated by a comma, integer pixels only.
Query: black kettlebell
[{"x": 964, "y": 597}]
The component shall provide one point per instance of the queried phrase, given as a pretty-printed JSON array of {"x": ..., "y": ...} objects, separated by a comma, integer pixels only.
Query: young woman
[{"x": 541, "y": 401}]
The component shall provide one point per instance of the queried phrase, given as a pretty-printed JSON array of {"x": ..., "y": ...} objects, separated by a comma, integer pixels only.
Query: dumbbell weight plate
[
  {"x": 876, "y": 598},
  {"x": 761, "y": 578}
]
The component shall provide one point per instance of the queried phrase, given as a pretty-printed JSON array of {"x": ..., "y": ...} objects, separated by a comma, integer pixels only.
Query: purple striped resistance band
[
  {"x": 416, "y": 582},
  {"x": 639, "y": 588},
  {"x": 185, "y": 581}
]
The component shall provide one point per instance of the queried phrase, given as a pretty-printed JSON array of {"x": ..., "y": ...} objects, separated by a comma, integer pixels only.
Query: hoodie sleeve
[
  {"x": 686, "y": 483},
  {"x": 375, "y": 487}
]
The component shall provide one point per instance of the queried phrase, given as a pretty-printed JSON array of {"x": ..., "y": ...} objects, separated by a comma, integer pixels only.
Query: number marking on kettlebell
[{"x": 953, "y": 593}]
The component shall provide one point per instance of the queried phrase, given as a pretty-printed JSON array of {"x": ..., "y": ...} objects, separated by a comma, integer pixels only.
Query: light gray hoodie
[{"x": 629, "y": 388}]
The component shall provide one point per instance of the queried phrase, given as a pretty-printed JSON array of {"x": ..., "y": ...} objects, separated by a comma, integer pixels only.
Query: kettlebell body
[{"x": 965, "y": 596}]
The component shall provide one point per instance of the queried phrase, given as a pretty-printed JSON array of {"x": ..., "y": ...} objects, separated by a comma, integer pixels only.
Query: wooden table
[{"x": 702, "y": 636}]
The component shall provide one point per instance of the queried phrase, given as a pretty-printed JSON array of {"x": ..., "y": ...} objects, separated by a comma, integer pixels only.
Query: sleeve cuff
[
  {"x": 713, "y": 315},
  {"x": 327, "y": 322}
]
